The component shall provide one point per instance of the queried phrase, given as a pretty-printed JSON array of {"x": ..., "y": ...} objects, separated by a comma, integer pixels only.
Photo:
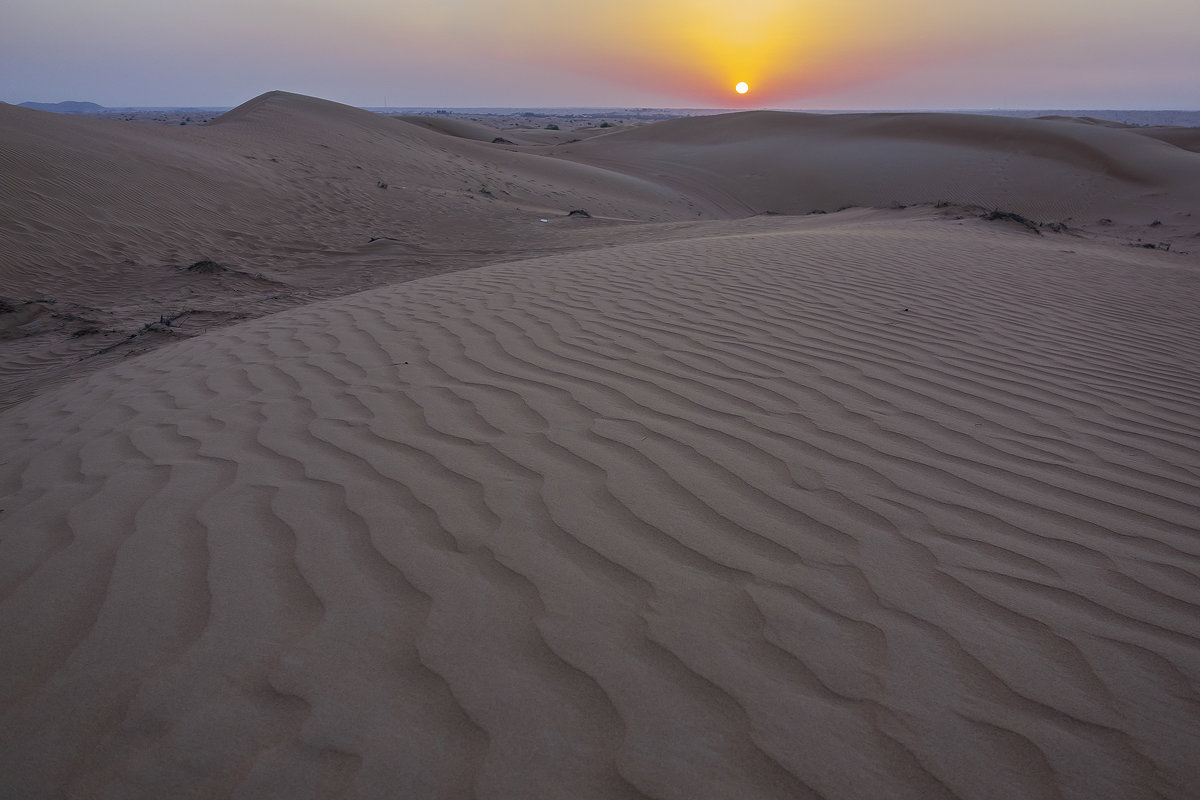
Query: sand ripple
[{"x": 908, "y": 512}]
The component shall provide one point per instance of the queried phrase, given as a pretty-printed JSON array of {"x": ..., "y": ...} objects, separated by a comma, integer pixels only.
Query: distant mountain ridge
[{"x": 66, "y": 107}]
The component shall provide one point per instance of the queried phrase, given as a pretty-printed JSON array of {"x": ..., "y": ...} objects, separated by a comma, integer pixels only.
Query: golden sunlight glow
[
  {"x": 767, "y": 44},
  {"x": 702, "y": 48}
]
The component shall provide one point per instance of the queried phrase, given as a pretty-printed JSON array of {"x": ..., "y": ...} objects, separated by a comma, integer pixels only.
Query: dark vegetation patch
[
  {"x": 1010, "y": 216},
  {"x": 206, "y": 267}
]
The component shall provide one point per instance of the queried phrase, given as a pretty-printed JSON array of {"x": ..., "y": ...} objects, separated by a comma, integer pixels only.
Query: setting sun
[{"x": 742, "y": 87}]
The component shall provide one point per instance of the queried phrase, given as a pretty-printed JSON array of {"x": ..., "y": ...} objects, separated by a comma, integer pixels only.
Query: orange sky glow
[{"x": 672, "y": 53}]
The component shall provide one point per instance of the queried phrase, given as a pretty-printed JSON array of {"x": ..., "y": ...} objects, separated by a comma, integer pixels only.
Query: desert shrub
[{"x": 1012, "y": 217}]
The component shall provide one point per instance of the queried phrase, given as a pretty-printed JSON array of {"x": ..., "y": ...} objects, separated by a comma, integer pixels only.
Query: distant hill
[{"x": 67, "y": 107}]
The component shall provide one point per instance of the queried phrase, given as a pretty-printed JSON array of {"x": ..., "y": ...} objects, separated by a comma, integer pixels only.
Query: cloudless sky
[{"x": 929, "y": 54}]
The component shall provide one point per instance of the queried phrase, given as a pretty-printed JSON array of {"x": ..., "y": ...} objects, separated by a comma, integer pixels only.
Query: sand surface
[{"x": 682, "y": 499}]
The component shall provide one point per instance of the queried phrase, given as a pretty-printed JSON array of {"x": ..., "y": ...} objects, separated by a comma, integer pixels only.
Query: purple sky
[{"x": 929, "y": 54}]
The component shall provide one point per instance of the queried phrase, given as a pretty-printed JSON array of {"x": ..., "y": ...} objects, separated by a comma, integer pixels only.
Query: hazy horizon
[
  {"x": 859, "y": 54},
  {"x": 1154, "y": 116}
]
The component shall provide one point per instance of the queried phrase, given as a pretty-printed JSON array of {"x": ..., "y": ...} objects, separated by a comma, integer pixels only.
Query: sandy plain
[{"x": 848, "y": 456}]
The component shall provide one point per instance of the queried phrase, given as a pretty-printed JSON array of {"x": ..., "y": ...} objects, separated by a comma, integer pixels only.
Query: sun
[{"x": 742, "y": 87}]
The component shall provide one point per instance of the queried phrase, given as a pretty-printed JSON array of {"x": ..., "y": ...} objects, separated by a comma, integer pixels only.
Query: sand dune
[
  {"x": 101, "y": 217},
  {"x": 304, "y": 199},
  {"x": 879, "y": 503},
  {"x": 796, "y": 163},
  {"x": 1182, "y": 137},
  {"x": 520, "y": 136},
  {"x": 454, "y": 126},
  {"x": 281, "y": 175}
]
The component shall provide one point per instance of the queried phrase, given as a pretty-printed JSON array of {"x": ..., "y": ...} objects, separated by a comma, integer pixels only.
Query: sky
[{"x": 796, "y": 54}]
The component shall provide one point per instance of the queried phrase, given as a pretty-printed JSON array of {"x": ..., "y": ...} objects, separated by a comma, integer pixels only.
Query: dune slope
[
  {"x": 791, "y": 163},
  {"x": 843, "y": 508},
  {"x": 281, "y": 178},
  {"x": 299, "y": 198},
  {"x": 302, "y": 199}
]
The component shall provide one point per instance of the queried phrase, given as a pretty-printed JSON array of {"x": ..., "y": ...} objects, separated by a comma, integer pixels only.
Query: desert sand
[{"x": 431, "y": 490}]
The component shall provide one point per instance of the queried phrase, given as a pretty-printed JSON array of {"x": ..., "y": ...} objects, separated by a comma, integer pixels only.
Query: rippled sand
[{"x": 860, "y": 505}]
